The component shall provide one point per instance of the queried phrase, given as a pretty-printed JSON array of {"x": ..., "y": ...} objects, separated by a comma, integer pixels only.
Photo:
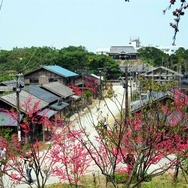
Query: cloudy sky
[{"x": 90, "y": 23}]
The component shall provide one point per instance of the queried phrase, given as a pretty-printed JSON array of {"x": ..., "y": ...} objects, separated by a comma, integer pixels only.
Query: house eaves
[
  {"x": 48, "y": 113},
  {"x": 171, "y": 72},
  {"x": 60, "y": 71},
  {"x": 58, "y": 89},
  {"x": 41, "y": 93},
  {"x": 28, "y": 102},
  {"x": 56, "y": 70}
]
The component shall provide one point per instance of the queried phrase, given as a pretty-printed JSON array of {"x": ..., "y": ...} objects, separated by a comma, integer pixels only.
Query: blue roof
[
  {"x": 60, "y": 70},
  {"x": 47, "y": 113},
  {"x": 58, "y": 107},
  {"x": 7, "y": 120},
  {"x": 41, "y": 93}
]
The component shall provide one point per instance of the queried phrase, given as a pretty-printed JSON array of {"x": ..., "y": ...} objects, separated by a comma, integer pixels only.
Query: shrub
[{"x": 121, "y": 177}]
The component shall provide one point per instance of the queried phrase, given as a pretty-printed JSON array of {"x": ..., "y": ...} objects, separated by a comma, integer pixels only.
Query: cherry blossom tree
[
  {"x": 139, "y": 143},
  {"x": 16, "y": 152},
  {"x": 62, "y": 157},
  {"x": 134, "y": 144},
  {"x": 178, "y": 8},
  {"x": 72, "y": 159}
]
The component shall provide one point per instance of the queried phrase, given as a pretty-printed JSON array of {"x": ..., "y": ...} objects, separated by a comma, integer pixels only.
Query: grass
[{"x": 163, "y": 181}]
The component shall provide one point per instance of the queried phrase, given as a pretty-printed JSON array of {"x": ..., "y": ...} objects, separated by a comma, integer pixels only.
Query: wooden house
[
  {"x": 55, "y": 103},
  {"x": 65, "y": 94},
  {"x": 162, "y": 75},
  {"x": 28, "y": 105},
  {"x": 48, "y": 74}
]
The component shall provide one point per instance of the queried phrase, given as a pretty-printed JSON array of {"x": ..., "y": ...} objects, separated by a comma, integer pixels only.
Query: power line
[{"x": 28, "y": 63}]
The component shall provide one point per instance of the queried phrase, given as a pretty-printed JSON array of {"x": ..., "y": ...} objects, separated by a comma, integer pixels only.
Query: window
[
  {"x": 53, "y": 79},
  {"x": 34, "y": 80}
]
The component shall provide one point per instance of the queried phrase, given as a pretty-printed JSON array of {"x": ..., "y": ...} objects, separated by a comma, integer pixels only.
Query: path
[
  {"x": 97, "y": 110},
  {"x": 87, "y": 120}
]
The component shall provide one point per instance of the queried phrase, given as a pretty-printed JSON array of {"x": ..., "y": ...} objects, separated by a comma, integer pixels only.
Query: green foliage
[
  {"x": 110, "y": 93},
  {"x": 180, "y": 59},
  {"x": 135, "y": 95},
  {"x": 152, "y": 56},
  {"x": 88, "y": 94},
  {"x": 77, "y": 58},
  {"x": 58, "y": 186},
  {"x": 72, "y": 58},
  {"x": 155, "y": 57},
  {"x": 5, "y": 132},
  {"x": 5, "y": 75},
  {"x": 121, "y": 177},
  {"x": 165, "y": 181}
]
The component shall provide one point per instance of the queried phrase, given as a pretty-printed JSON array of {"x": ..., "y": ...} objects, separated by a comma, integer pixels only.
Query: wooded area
[{"x": 78, "y": 59}]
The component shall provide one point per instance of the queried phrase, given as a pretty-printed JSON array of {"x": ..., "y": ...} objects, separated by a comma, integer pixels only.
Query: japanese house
[{"x": 48, "y": 74}]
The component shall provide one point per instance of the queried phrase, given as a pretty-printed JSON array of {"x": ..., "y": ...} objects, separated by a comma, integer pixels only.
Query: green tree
[
  {"x": 182, "y": 58},
  {"x": 152, "y": 56},
  {"x": 73, "y": 58}
]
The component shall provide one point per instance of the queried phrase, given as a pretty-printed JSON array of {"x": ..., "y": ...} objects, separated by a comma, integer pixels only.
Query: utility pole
[
  {"x": 100, "y": 89},
  {"x": 82, "y": 72},
  {"x": 17, "y": 89},
  {"x": 125, "y": 86},
  {"x": 126, "y": 93}
]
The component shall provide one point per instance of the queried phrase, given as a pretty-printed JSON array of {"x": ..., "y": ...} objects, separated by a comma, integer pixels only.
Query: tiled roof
[
  {"x": 122, "y": 49},
  {"x": 28, "y": 102},
  {"x": 41, "y": 93},
  {"x": 56, "y": 70},
  {"x": 10, "y": 83},
  {"x": 7, "y": 119},
  {"x": 165, "y": 69},
  {"x": 60, "y": 71},
  {"x": 135, "y": 68},
  {"x": 59, "y": 89}
]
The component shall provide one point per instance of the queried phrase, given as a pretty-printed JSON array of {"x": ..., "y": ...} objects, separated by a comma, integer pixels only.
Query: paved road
[{"x": 100, "y": 110}]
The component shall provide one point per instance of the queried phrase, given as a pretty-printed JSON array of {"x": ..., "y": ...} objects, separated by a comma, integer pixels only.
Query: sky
[{"x": 90, "y": 23}]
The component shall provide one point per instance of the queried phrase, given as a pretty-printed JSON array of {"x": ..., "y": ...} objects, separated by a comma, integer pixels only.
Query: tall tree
[{"x": 152, "y": 56}]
